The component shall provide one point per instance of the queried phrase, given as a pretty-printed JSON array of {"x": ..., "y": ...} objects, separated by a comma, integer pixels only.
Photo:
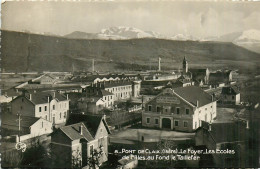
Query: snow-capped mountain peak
[
  {"x": 124, "y": 32},
  {"x": 248, "y": 36}
]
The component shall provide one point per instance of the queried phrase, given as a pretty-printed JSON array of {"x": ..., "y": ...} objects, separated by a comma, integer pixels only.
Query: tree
[{"x": 95, "y": 158}]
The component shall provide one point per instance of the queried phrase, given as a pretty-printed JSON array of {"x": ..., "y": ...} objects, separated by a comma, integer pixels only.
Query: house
[
  {"x": 91, "y": 105},
  {"x": 78, "y": 140},
  {"x": 180, "y": 109},
  {"x": 8, "y": 95},
  {"x": 30, "y": 127},
  {"x": 121, "y": 89},
  {"x": 182, "y": 81},
  {"x": 228, "y": 140},
  {"x": 230, "y": 95},
  {"x": 51, "y": 106}
]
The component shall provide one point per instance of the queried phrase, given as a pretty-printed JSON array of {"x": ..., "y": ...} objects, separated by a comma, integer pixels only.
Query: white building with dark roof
[
  {"x": 78, "y": 141},
  {"x": 123, "y": 89},
  {"x": 230, "y": 95},
  {"x": 29, "y": 126},
  {"x": 180, "y": 109},
  {"x": 50, "y": 106}
]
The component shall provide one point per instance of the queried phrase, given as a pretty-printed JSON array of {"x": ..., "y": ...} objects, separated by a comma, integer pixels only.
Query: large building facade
[
  {"x": 181, "y": 109},
  {"x": 120, "y": 89},
  {"x": 50, "y": 106}
]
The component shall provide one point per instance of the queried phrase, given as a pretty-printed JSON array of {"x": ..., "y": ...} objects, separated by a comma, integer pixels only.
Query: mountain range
[
  {"x": 32, "y": 52},
  {"x": 249, "y": 39}
]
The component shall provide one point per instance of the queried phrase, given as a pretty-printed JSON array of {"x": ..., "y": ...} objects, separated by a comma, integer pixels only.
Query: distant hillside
[{"x": 31, "y": 52}]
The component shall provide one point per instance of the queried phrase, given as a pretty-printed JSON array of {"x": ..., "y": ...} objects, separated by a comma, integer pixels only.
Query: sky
[{"x": 199, "y": 19}]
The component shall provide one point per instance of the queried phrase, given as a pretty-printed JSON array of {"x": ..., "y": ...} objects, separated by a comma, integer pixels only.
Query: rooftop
[
  {"x": 226, "y": 132},
  {"x": 193, "y": 94},
  {"x": 231, "y": 90},
  {"x": 11, "y": 120},
  {"x": 42, "y": 97},
  {"x": 91, "y": 122},
  {"x": 74, "y": 133}
]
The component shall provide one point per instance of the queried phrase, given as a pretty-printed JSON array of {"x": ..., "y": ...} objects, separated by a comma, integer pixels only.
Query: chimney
[
  {"x": 30, "y": 96},
  {"x": 212, "y": 98},
  {"x": 159, "y": 64},
  {"x": 67, "y": 96},
  {"x": 247, "y": 124},
  {"x": 53, "y": 94},
  {"x": 81, "y": 129},
  {"x": 197, "y": 103},
  {"x": 48, "y": 99}
]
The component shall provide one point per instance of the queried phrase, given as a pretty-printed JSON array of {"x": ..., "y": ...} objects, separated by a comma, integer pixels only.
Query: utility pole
[
  {"x": 19, "y": 124},
  {"x": 93, "y": 65}
]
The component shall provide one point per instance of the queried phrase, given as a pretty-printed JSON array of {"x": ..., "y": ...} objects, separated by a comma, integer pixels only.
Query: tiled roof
[
  {"x": 42, "y": 97},
  {"x": 194, "y": 93},
  {"x": 74, "y": 133},
  {"x": 198, "y": 70},
  {"x": 117, "y": 83},
  {"x": 231, "y": 90},
  {"x": 106, "y": 93},
  {"x": 226, "y": 132},
  {"x": 11, "y": 92},
  {"x": 11, "y": 120},
  {"x": 91, "y": 122}
]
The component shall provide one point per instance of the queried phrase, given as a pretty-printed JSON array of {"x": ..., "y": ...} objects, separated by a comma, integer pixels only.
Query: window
[
  {"x": 233, "y": 97},
  {"x": 195, "y": 125},
  {"x": 158, "y": 109},
  {"x": 91, "y": 149},
  {"x": 46, "y": 117},
  {"x": 64, "y": 115},
  {"x": 53, "y": 107},
  {"x": 111, "y": 97},
  {"x": 105, "y": 98},
  {"x": 22, "y": 99},
  {"x": 206, "y": 117},
  {"x": 40, "y": 109},
  {"x": 45, "y": 108},
  {"x": 178, "y": 110},
  {"x": 187, "y": 111},
  {"x": 148, "y": 120},
  {"x": 166, "y": 110},
  {"x": 156, "y": 121},
  {"x": 100, "y": 142},
  {"x": 42, "y": 124},
  {"x": 60, "y": 115},
  {"x": 185, "y": 124},
  {"x": 176, "y": 123},
  {"x": 149, "y": 108}
]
